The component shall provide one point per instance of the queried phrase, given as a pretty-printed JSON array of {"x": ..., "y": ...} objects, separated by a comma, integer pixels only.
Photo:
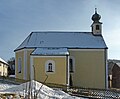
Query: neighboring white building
[{"x": 3, "y": 67}]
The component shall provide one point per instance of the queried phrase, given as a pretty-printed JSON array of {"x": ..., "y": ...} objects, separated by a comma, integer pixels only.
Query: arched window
[
  {"x": 19, "y": 64},
  {"x": 97, "y": 27},
  {"x": 71, "y": 64},
  {"x": 50, "y": 66}
]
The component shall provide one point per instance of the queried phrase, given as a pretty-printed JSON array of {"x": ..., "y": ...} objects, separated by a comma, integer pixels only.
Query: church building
[{"x": 68, "y": 58}]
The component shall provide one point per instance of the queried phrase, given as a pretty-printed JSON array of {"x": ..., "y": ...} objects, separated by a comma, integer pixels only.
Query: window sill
[{"x": 49, "y": 71}]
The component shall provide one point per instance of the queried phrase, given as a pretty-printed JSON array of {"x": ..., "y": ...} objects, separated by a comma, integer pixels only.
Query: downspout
[
  {"x": 68, "y": 74},
  {"x": 31, "y": 68}
]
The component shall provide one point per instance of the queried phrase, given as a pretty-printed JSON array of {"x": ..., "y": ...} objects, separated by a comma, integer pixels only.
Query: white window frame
[
  {"x": 19, "y": 65},
  {"x": 50, "y": 67}
]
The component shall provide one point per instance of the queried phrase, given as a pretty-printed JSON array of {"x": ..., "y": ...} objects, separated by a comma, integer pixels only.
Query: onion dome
[{"x": 96, "y": 17}]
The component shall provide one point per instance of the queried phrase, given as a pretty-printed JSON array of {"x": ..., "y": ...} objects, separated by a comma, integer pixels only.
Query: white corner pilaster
[
  {"x": 25, "y": 64},
  {"x": 68, "y": 70}
]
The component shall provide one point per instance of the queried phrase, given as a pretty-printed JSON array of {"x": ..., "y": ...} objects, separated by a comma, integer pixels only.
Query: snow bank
[
  {"x": 44, "y": 92},
  {"x": 4, "y": 86}
]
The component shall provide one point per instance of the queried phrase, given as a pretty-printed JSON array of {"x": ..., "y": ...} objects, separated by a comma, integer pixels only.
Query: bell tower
[{"x": 96, "y": 25}]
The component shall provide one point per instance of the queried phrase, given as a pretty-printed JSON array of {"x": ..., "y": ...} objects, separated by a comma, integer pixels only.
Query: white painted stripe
[
  {"x": 25, "y": 64},
  {"x": 106, "y": 56},
  {"x": 68, "y": 72}
]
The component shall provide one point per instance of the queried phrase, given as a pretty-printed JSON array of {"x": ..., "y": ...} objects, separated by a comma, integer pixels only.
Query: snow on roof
[
  {"x": 118, "y": 64},
  {"x": 50, "y": 51},
  {"x": 1, "y": 60},
  {"x": 63, "y": 39}
]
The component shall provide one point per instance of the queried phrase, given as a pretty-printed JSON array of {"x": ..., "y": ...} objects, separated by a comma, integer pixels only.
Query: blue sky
[{"x": 20, "y": 17}]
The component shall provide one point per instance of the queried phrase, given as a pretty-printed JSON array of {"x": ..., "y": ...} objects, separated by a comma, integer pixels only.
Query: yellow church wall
[
  {"x": 19, "y": 54},
  {"x": 58, "y": 77},
  {"x": 24, "y": 54},
  {"x": 89, "y": 68}
]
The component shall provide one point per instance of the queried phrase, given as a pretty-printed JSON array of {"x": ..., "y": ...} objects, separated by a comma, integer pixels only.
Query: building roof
[
  {"x": 63, "y": 39},
  {"x": 1, "y": 60},
  {"x": 111, "y": 64},
  {"x": 50, "y": 51},
  {"x": 118, "y": 64}
]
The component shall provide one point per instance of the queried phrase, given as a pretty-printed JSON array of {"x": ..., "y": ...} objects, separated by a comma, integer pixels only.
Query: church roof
[
  {"x": 54, "y": 39},
  {"x": 50, "y": 51}
]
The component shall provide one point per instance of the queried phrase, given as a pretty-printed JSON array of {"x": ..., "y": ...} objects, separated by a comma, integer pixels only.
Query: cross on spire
[{"x": 95, "y": 10}]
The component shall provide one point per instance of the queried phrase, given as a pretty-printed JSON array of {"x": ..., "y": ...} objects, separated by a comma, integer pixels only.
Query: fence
[
  {"x": 95, "y": 93},
  {"x": 12, "y": 80},
  {"x": 89, "y": 92}
]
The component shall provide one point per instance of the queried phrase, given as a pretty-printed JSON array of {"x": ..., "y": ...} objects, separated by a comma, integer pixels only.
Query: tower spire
[
  {"x": 96, "y": 17},
  {"x": 96, "y": 26},
  {"x": 95, "y": 10}
]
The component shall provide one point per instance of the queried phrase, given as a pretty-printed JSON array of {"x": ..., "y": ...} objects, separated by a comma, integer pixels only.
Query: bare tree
[{"x": 11, "y": 68}]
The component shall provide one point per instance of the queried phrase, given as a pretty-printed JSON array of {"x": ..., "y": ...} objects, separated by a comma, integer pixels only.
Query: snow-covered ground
[
  {"x": 32, "y": 88},
  {"x": 5, "y": 85}
]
